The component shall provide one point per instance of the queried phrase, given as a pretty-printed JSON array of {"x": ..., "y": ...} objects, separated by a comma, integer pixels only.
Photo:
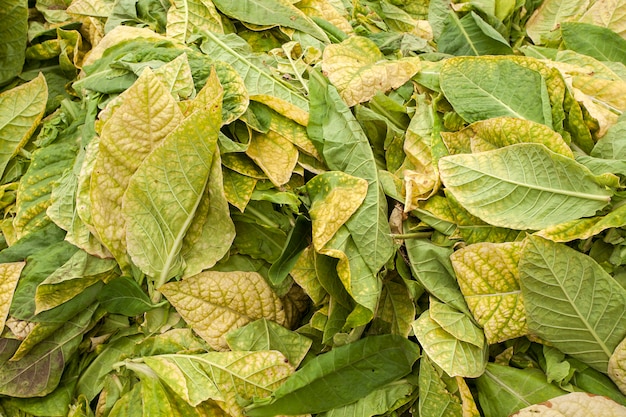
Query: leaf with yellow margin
[
  {"x": 359, "y": 70},
  {"x": 489, "y": 280},
  {"x": 9, "y": 274},
  {"x": 498, "y": 132},
  {"x": 146, "y": 115},
  {"x": 23, "y": 107},
  {"x": 167, "y": 190},
  {"x": 335, "y": 196},
  {"x": 214, "y": 303}
]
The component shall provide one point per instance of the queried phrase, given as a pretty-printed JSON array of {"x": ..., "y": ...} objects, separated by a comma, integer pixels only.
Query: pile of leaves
[{"x": 313, "y": 207}]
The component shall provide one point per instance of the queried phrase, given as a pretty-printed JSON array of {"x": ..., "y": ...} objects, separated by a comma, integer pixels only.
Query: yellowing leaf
[
  {"x": 168, "y": 189},
  {"x": 305, "y": 275},
  {"x": 489, "y": 280},
  {"x": 274, "y": 154},
  {"x": 186, "y": 17},
  {"x": 498, "y": 132},
  {"x": 574, "y": 404},
  {"x": 213, "y": 303},
  {"x": 617, "y": 366},
  {"x": 335, "y": 196},
  {"x": 283, "y": 107},
  {"x": 146, "y": 115},
  {"x": 585, "y": 228},
  {"x": 607, "y": 13},
  {"x": 456, "y": 323},
  {"x": 176, "y": 75},
  {"x": 23, "y": 107},
  {"x": 547, "y": 17},
  {"x": 325, "y": 10},
  {"x": 9, "y": 275},
  {"x": 225, "y": 377},
  {"x": 238, "y": 188},
  {"x": 359, "y": 70}
]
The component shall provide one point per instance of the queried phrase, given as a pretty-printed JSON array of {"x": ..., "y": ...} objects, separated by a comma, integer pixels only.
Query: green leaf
[
  {"x": 549, "y": 16},
  {"x": 503, "y": 390},
  {"x": 569, "y": 297},
  {"x": 598, "y": 42},
  {"x": 123, "y": 295},
  {"x": 456, "y": 323},
  {"x": 470, "y": 35},
  {"x": 485, "y": 87},
  {"x": 14, "y": 15},
  {"x": 207, "y": 302},
  {"x": 489, "y": 279},
  {"x": 166, "y": 191},
  {"x": 227, "y": 377},
  {"x": 263, "y": 334},
  {"x": 297, "y": 241},
  {"x": 326, "y": 382},
  {"x": 523, "y": 186},
  {"x": 435, "y": 399},
  {"x": 25, "y": 106},
  {"x": 454, "y": 356},
  {"x": 39, "y": 372},
  {"x": 378, "y": 402},
  {"x": 271, "y": 12}
]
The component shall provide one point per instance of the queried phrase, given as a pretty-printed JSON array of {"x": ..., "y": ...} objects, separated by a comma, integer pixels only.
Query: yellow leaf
[
  {"x": 489, "y": 280},
  {"x": 283, "y": 107},
  {"x": 146, "y": 115},
  {"x": 325, "y": 10},
  {"x": 238, "y": 188},
  {"x": 176, "y": 75},
  {"x": 359, "y": 70},
  {"x": 335, "y": 196},
  {"x": 607, "y": 13},
  {"x": 213, "y": 303},
  {"x": 467, "y": 400},
  {"x": 9, "y": 275},
  {"x": 585, "y": 228},
  {"x": 274, "y": 154}
]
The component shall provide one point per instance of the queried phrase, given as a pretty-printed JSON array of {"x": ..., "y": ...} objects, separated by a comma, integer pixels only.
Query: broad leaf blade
[
  {"x": 598, "y": 42},
  {"x": 571, "y": 302},
  {"x": 326, "y": 382},
  {"x": 524, "y": 186},
  {"x": 186, "y": 17},
  {"x": 213, "y": 303},
  {"x": 14, "y": 35},
  {"x": 24, "y": 107}
]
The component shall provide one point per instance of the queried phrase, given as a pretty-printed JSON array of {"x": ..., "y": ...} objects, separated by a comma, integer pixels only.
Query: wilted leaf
[
  {"x": 489, "y": 279},
  {"x": 214, "y": 303},
  {"x": 569, "y": 297},
  {"x": 358, "y": 69},
  {"x": 523, "y": 186}
]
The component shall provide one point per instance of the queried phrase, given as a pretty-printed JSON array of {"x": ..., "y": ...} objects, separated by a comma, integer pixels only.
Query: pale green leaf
[
  {"x": 187, "y": 17},
  {"x": 214, "y": 303},
  {"x": 167, "y": 189},
  {"x": 435, "y": 399},
  {"x": 489, "y": 279},
  {"x": 571, "y": 302},
  {"x": 484, "y": 87},
  {"x": 458, "y": 324},
  {"x": 227, "y": 377},
  {"x": 145, "y": 115},
  {"x": 177, "y": 77},
  {"x": 24, "y": 107},
  {"x": 264, "y": 334},
  {"x": 10, "y": 273},
  {"x": 380, "y": 401},
  {"x": 452, "y": 355},
  {"x": 523, "y": 186},
  {"x": 358, "y": 69},
  {"x": 574, "y": 404},
  {"x": 271, "y": 13}
]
